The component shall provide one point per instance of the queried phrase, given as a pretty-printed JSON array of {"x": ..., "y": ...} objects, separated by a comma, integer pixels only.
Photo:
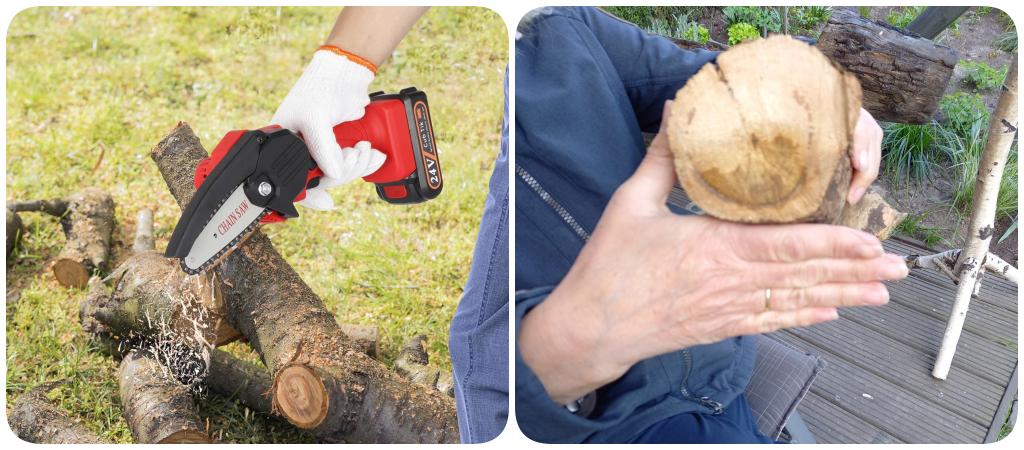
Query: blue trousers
[
  {"x": 478, "y": 337},
  {"x": 734, "y": 426}
]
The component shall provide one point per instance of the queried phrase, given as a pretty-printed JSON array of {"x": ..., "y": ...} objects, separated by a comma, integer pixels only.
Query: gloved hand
[{"x": 332, "y": 90}]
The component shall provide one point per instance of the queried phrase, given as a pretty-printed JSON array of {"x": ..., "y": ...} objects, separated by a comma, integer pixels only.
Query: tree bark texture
[
  {"x": 34, "y": 418},
  {"x": 234, "y": 378},
  {"x": 158, "y": 408},
  {"x": 144, "y": 241},
  {"x": 322, "y": 379},
  {"x": 14, "y": 229},
  {"x": 873, "y": 215},
  {"x": 413, "y": 364},
  {"x": 903, "y": 75},
  {"x": 763, "y": 135},
  {"x": 87, "y": 217},
  {"x": 1001, "y": 132}
]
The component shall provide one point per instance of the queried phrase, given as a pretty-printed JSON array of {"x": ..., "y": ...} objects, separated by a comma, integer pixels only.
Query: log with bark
[
  {"x": 903, "y": 75},
  {"x": 158, "y": 408},
  {"x": 322, "y": 380},
  {"x": 945, "y": 262},
  {"x": 34, "y": 418},
  {"x": 144, "y": 232},
  {"x": 87, "y": 218},
  {"x": 413, "y": 364}
]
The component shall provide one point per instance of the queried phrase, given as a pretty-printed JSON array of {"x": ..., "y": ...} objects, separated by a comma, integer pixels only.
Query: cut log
[
  {"x": 154, "y": 299},
  {"x": 234, "y": 378},
  {"x": 873, "y": 215},
  {"x": 763, "y": 135},
  {"x": 944, "y": 263},
  {"x": 413, "y": 362},
  {"x": 144, "y": 241},
  {"x": 13, "y": 234},
  {"x": 903, "y": 75},
  {"x": 34, "y": 418},
  {"x": 87, "y": 217},
  {"x": 322, "y": 380},
  {"x": 158, "y": 408}
]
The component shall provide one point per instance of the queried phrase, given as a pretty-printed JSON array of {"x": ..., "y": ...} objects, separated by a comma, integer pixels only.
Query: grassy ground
[{"x": 91, "y": 90}]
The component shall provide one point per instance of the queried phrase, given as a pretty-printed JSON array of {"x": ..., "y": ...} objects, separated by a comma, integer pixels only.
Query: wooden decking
[{"x": 878, "y": 386}]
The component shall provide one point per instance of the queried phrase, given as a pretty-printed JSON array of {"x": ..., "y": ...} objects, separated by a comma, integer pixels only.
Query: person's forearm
[{"x": 373, "y": 32}]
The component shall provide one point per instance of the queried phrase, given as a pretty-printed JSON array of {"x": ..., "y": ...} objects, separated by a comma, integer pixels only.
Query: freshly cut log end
[
  {"x": 873, "y": 215},
  {"x": 300, "y": 395},
  {"x": 158, "y": 409},
  {"x": 34, "y": 418},
  {"x": 763, "y": 135},
  {"x": 87, "y": 225}
]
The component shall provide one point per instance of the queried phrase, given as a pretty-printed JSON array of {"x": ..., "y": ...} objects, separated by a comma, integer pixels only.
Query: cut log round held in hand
[
  {"x": 903, "y": 75},
  {"x": 413, "y": 362},
  {"x": 763, "y": 135},
  {"x": 158, "y": 408},
  {"x": 87, "y": 217},
  {"x": 322, "y": 380},
  {"x": 34, "y": 418},
  {"x": 13, "y": 233}
]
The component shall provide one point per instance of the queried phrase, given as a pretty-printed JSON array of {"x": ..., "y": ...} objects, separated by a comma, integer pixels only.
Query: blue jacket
[{"x": 586, "y": 85}]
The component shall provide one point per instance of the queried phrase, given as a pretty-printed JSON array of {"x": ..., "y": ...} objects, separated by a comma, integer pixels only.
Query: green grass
[
  {"x": 965, "y": 153},
  {"x": 86, "y": 81},
  {"x": 909, "y": 151},
  {"x": 900, "y": 18},
  {"x": 911, "y": 226}
]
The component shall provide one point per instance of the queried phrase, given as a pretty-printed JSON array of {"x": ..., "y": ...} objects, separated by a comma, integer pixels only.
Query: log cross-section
[{"x": 323, "y": 379}]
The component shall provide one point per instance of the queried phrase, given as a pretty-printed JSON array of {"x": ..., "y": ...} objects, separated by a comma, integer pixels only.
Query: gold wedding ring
[{"x": 768, "y": 299}]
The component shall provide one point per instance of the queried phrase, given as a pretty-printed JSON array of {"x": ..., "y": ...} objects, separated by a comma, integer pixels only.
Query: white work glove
[{"x": 332, "y": 90}]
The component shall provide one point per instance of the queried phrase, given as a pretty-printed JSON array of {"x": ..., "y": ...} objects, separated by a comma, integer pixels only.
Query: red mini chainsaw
[{"x": 255, "y": 176}]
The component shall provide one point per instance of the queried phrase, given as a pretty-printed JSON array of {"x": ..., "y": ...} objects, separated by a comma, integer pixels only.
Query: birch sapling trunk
[
  {"x": 1002, "y": 129},
  {"x": 322, "y": 379}
]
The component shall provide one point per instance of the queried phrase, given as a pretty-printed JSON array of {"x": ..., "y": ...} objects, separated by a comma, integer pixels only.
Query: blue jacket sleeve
[
  {"x": 651, "y": 68},
  {"x": 539, "y": 417}
]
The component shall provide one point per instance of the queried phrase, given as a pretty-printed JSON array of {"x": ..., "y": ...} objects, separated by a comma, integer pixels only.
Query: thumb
[{"x": 656, "y": 175}]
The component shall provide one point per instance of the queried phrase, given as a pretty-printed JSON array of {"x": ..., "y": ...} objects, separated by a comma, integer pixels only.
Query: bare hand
[
  {"x": 650, "y": 282},
  {"x": 866, "y": 156}
]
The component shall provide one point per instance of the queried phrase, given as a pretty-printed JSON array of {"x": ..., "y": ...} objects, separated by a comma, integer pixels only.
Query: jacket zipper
[
  {"x": 716, "y": 407},
  {"x": 530, "y": 181}
]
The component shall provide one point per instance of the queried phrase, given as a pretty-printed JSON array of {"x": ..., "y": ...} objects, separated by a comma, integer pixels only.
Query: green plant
[
  {"x": 902, "y": 18},
  {"x": 962, "y": 110},
  {"x": 697, "y": 33},
  {"x": 683, "y": 28},
  {"x": 742, "y": 32},
  {"x": 982, "y": 76},
  {"x": 1009, "y": 231},
  {"x": 809, "y": 16},
  {"x": 965, "y": 152},
  {"x": 740, "y": 14},
  {"x": 865, "y": 11},
  {"x": 984, "y": 10},
  {"x": 760, "y": 18},
  {"x": 909, "y": 151},
  {"x": 911, "y": 227},
  {"x": 1007, "y": 42}
]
